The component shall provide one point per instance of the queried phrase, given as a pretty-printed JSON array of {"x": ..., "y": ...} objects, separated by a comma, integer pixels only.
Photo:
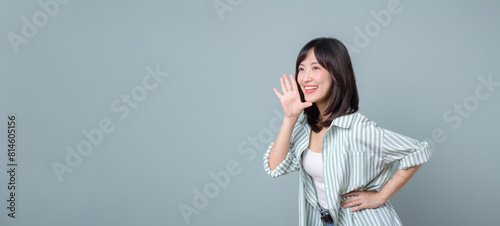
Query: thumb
[{"x": 307, "y": 104}]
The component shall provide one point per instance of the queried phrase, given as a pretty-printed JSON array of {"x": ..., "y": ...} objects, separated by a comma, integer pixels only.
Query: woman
[{"x": 344, "y": 159}]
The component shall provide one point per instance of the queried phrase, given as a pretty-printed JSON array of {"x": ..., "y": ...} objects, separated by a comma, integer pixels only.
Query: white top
[{"x": 313, "y": 165}]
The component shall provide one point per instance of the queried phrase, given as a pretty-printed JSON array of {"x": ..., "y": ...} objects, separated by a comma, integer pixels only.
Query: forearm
[
  {"x": 281, "y": 145},
  {"x": 400, "y": 178}
]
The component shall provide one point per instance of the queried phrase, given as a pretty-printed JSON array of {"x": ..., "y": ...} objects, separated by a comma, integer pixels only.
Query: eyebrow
[{"x": 311, "y": 63}]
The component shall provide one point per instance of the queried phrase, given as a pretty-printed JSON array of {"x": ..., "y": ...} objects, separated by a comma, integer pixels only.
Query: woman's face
[{"x": 314, "y": 80}]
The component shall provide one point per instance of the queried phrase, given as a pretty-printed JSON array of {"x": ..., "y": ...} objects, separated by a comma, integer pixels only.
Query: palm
[{"x": 290, "y": 100}]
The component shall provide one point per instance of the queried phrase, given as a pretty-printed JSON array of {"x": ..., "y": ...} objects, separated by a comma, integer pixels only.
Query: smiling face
[{"x": 314, "y": 80}]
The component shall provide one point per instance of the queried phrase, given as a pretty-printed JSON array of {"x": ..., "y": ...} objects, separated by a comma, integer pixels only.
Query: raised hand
[{"x": 290, "y": 100}]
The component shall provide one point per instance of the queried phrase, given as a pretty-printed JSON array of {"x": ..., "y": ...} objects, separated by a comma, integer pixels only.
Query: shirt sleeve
[
  {"x": 409, "y": 152},
  {"x": 289, "y": 164}
]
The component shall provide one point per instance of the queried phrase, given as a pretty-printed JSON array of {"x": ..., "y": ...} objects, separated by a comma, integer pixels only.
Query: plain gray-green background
[{"x": 217, "y": 106}]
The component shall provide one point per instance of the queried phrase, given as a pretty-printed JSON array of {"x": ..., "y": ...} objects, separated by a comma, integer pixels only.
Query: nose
[{"x": 307, "y": 76}]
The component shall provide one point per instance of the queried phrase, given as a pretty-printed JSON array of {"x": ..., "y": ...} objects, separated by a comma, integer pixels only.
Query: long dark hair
[{"x": 333, "y": 56}]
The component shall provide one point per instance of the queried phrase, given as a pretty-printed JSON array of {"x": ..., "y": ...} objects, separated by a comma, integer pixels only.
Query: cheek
[
  {"x": 327, "y": 80},
  {"x": 299, "y": 79}
]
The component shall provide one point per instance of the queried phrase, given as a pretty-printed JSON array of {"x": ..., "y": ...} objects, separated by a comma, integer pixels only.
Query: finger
[
  {"x": 357, "y": 208},
  {"x": 283, "y": 88},
  {"x": 294, "y": 83},
  {"x": 287, "y": 83},
  {"x": 349, "y": 205},
  {"x": 349, "y": 194},
  {"x": 350, "y": 202},
  {"x": 306, "y": 104},
  {"x": 277, "y": 93},
  {"x": 361, "y": 206}
]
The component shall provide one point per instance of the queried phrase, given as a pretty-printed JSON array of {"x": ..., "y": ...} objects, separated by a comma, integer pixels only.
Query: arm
[
  {"x": 410, "y": 153},
  {"x": 279, "y": 160},
  {"x": 280, "y": 157},
  {"x": 400, "y": 178},
  {"x": 372, "y": 199},
  {"x": 281, "y": 145}
]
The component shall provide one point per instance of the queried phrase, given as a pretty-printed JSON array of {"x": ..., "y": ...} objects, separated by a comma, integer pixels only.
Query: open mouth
[{"x": 310, "y": 89}]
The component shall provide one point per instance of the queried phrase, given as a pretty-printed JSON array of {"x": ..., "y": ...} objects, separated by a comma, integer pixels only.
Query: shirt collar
[{"x": 342, "y": 121}]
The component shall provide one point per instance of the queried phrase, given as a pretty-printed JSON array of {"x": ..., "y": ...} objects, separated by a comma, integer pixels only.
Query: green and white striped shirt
[{"x": 357, "y": 156}]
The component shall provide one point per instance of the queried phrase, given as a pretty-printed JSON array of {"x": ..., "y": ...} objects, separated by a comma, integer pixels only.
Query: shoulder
[
  {"x": 362, "y": 126},
  {"x": 353, "y": 120},
  {"x": 364, "y": 134},
  {"x": 360, "y": 119}
]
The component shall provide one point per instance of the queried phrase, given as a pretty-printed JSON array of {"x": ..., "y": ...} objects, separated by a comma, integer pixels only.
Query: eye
[
  {"x": 315, "y": 68},
  {"x": 301, "y": 69}
]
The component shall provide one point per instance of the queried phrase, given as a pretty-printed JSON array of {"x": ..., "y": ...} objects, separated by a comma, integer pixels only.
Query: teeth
[{"x": 310, "y": 88}]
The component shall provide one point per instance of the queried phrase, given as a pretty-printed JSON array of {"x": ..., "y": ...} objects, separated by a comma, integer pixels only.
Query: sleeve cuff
[
  {"x": 281, "y": 169},
  {"x": 417, "y": 157}
]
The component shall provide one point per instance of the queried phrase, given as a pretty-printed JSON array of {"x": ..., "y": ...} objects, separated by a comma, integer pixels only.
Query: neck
[{"x": 322, "y": 109}]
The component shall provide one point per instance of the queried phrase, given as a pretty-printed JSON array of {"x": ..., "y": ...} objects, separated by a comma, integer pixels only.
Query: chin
[{"x": 312, "y": 100}]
